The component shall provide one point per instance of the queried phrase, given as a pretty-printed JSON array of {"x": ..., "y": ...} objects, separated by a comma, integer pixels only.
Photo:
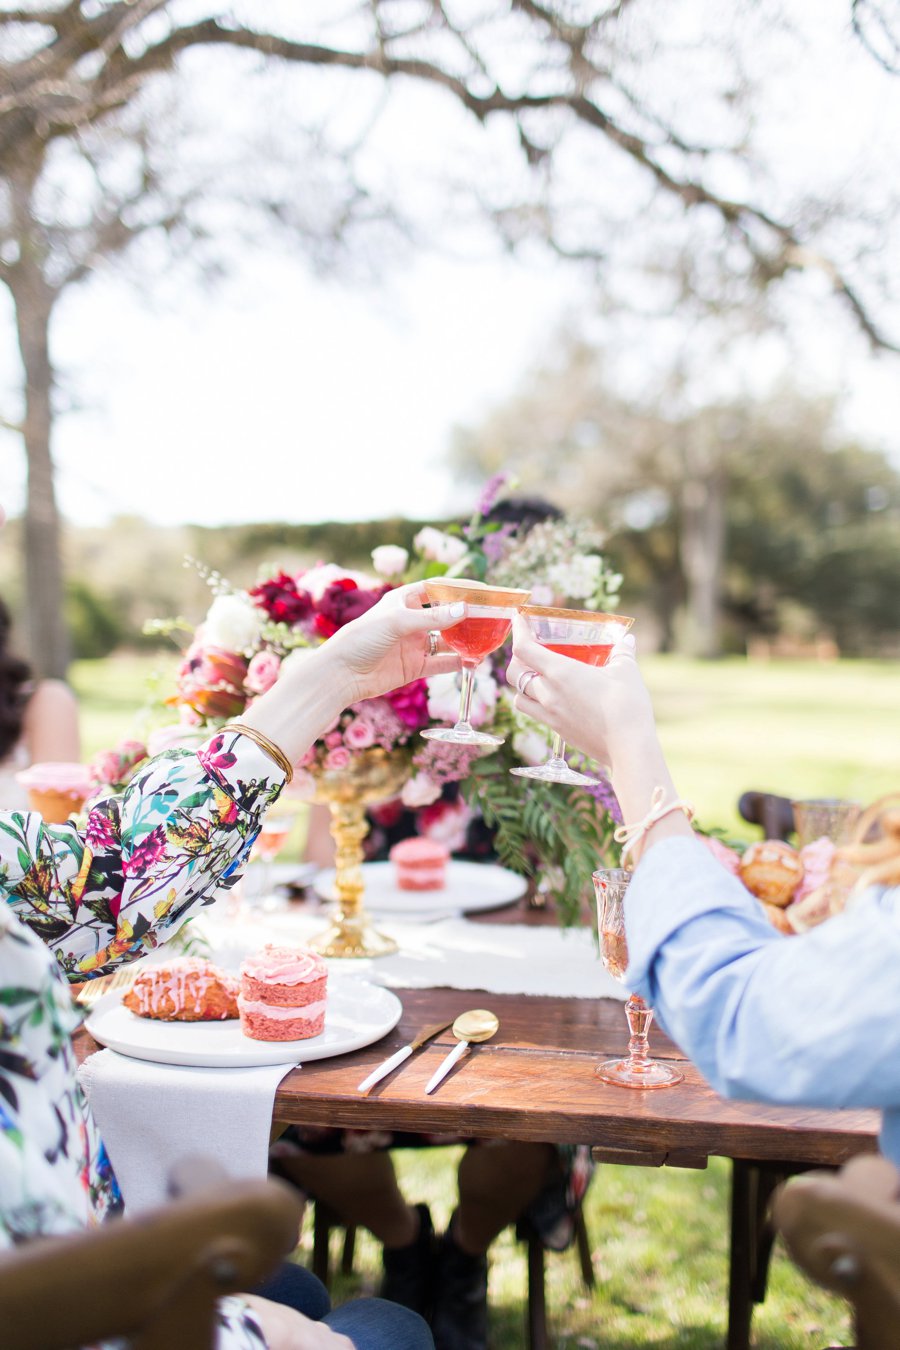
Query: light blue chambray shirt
[{"x": 811, "y": 1020}]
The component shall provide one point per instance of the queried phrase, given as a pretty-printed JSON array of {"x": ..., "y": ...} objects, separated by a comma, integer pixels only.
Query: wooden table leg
[{"x": 752, "y": 1237}]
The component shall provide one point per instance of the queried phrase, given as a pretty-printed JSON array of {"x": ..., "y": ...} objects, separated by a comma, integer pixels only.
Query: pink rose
[
  {"x": 338, "y": 758},
  {"x": 262, "y": 672},
  {"x": 333, "y": 739},
  {"x": 358, "y": 734}
]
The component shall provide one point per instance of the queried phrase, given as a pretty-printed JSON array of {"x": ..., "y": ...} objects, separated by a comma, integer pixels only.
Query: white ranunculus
[
  {"x": 443, "y": 696},
  {"x": 418, "y": 791},
  {"x": 232, "y": 624},
  {"x": 531, "y": 744},
  {"x": 578, "y": 576},
  {"x": 389, "y": 560},
  {"x": 437, "y": 546}
]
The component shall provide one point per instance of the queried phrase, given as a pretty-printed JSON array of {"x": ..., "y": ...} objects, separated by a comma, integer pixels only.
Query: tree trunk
[
  {"x": 702, "y": 546},
  {"x": 34, "y": 297}
]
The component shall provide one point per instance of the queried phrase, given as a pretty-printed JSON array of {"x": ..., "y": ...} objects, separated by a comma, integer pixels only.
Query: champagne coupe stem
[
  {"x": 465, "y": 699},
  {"x": 265, "y": 875},
  {"x": 558, "y": 751}
]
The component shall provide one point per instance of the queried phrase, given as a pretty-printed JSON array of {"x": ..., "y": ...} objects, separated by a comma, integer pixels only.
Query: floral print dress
[{"x": 146, "y": 861}]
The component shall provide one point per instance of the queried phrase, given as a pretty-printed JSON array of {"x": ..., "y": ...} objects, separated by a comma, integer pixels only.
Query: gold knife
[{"x": 419, "y": 1040}]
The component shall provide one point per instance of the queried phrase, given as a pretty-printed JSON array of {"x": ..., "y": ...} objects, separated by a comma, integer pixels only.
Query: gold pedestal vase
[{"x": 372, "y": 776}]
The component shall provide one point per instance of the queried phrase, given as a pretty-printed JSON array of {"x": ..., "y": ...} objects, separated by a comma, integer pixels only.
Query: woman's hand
[
  {"x": 388, "y": 645},
  {"x": 604, "y": 711},
  {"x": 381, "y": 650},
  {"x": 286, "y": 1329}
]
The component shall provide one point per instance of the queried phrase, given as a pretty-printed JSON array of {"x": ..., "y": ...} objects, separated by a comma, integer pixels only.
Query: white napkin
[{"x": 151, "y": 1116}]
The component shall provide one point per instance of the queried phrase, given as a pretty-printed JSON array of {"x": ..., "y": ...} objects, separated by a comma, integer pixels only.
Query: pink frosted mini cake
[
  {"x": 282, "y": 994},
  {"x": 420, "y": 864}
]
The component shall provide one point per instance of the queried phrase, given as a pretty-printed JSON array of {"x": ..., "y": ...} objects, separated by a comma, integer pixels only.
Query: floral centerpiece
[{"x": 237, "y": 651}]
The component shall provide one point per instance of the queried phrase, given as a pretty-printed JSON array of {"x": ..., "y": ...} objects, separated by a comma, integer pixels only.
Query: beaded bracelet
[
  {"x": 268, "y": 747},
  {"x": 630, "y": 835}
]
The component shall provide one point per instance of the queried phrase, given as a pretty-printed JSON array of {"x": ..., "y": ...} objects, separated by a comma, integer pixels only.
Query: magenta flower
[
  {"x": 410, "y": 703},
  {"x": 146, "y": 855}
]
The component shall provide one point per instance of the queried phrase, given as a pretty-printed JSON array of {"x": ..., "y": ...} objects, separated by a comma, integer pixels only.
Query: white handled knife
[{"x": 384, "y": 1069}]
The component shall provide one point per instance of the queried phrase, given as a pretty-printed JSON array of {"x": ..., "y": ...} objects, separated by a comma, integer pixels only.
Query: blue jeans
[{"x": 370, "y": 1323}]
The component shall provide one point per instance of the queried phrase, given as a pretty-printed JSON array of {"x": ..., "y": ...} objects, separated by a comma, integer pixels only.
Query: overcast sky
[{"x": 281, "y": 397}]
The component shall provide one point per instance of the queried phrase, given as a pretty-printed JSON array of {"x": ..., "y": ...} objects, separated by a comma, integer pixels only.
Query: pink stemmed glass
[
  {"x": 490, "y": 611},
  {"x": 586, "y": 636},
  {"x": 637, "y": 1070}
]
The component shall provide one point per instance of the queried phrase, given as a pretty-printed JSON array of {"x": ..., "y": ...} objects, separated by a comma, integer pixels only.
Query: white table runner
[{"x": 453, "y": 953}]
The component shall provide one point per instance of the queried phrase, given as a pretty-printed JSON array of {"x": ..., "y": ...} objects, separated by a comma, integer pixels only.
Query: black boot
[
  {"x": 408, "y": 1271},
  {"x": 460, "y": 1319}
]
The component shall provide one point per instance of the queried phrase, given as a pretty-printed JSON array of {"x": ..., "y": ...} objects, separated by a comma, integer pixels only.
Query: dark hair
[
  {"x": 523, "y": 512},
  {"x": 15, "y": 688}
]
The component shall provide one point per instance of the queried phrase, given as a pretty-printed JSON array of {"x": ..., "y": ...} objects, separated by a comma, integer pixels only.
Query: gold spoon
[{"x": 469, "y": 1027}]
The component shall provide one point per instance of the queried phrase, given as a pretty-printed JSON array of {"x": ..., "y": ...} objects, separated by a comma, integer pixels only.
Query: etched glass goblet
[{"x": 637, "y": 1069}]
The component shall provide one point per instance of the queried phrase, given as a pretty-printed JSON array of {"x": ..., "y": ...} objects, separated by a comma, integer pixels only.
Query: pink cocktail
[
  {"x": 490, "y": 611},
  {"x": 585, "y": 635}
]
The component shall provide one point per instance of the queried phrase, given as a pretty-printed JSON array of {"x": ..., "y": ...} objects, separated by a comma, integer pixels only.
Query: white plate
[
  {"x": 470, "y": 886},
  {"x": 357, "y": 1014}
]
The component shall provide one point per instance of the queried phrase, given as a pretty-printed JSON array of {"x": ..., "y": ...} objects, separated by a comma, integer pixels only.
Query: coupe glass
[
  {"x": 276, "y": 825},
  {"x": 586, "y": 636},
  {"x": 490, "y": 611},
  {"x": 637, "y": 1070}
]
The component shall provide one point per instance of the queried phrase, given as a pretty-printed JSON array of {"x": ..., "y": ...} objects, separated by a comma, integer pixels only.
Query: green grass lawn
[{"x": 660, "y": 1238}]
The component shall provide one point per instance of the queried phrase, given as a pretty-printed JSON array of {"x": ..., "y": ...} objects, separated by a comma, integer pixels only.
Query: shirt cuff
[
  {"x": 243, "y": 770},
  {"x": 678, "y": 880}
]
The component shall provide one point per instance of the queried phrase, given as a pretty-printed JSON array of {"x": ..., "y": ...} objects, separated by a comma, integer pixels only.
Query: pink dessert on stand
[
  {"x": 420, "y": 864},
  {"x": 282, "y": 994}
]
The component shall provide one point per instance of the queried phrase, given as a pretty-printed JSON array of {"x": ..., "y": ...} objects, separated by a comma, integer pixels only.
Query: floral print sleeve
[
  {"x": 55, "y": 1176},
  {"x": 147, "y": 858}
]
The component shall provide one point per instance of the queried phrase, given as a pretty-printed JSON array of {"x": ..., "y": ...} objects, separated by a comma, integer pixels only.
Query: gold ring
[{"x": 433, "y": 643}]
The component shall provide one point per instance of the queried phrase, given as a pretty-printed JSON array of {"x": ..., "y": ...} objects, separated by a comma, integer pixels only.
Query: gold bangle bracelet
[{"x": 268, "y": 747}]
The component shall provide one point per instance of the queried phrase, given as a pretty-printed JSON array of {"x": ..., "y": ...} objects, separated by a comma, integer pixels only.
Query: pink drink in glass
[{"x": 490, "y": 611}]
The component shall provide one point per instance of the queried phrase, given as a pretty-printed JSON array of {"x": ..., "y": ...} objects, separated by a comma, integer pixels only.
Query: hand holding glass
[
  {"x": 490, "y": 611},
  {"x": 586, "y": 636},
  {"x": 638, "y": 1070}
]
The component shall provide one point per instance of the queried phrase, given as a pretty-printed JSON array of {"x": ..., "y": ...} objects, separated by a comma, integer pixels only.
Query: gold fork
[{"x": 89, "y": 993}]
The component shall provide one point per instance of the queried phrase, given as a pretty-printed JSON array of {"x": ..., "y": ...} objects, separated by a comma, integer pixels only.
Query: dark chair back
[{"x": 773, "y": 814}]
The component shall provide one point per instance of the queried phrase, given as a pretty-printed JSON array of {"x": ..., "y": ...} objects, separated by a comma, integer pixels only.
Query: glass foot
[
  {"x": 555, "y": 771},
  {"x": 636, "y": 1074},
  {"x": 465, "y": 736}
]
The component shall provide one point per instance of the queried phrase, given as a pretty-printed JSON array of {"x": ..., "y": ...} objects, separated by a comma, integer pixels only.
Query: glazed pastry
[
  {"x": 772, "y": 871},
  {"x": 186, "y": 989}
]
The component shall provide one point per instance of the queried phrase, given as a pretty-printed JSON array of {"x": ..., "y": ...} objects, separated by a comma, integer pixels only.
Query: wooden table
[{"x": 535, "y": 1080}]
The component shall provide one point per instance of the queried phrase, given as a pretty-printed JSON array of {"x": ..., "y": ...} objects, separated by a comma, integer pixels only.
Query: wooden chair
[
  {"x": 325, "y": 1221},
  {"x": 773, "y": 814},
  {"x": 154, "y": 1279},
  {"x": 843, "y": 1229}
]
